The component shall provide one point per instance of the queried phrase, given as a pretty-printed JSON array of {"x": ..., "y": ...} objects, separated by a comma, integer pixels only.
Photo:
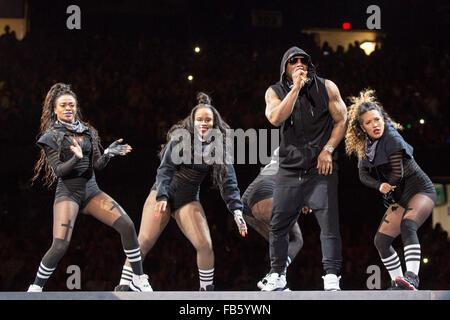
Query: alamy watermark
[
  {"x": 229, "y": 147},
  {"x": 74, "y": 280},
  {"x": 374, "y": 280},
  {"x": 74, "y": 20},
  {"x": 374, "y": 20}
]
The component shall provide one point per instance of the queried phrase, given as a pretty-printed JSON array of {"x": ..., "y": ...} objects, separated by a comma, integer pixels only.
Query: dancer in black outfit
[
  {"x": 386, "y": 164},
  {"x": 312, "y": 117},
  {"x": 177, "y": 187},
  {"x": 70, "y": 151},
  {"x": 258, "y": 201}
]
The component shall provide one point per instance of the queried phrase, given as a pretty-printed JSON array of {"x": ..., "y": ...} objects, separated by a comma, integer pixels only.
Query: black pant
[{"x": 319, "y": 192}]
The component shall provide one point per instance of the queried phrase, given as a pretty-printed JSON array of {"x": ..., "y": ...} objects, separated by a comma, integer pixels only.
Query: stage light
[
  {"x": 368, "y": 47},
  {"x": 425, "y": 260},
  {"x": 190, "y": 77},
  {"x": 197, "y": 49},
  {"x": 408, "y": 126},
  {"x": 447, "y": 140},
  {"x": 346, "y": 26},
  {"x": 421, "y": 121}
]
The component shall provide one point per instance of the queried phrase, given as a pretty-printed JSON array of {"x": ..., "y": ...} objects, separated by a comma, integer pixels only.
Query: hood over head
[
  {"x": 291, "y": 52},
  {"x": 310, "y": 89}
]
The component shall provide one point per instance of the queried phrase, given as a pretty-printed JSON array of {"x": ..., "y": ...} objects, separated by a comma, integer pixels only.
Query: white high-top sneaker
[
  {"x": 331, "y": 282},
  {"x": 34, "y": 288},
  {"x": 275, "y": 282},
  {"x": 263, "y": 282},
  {"x": 140, "y": 283}
]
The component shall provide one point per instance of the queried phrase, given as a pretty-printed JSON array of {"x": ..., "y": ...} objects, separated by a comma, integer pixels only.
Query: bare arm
[
  {"x": 338, "y": 112},
  {"x": 278, "y": 111}
]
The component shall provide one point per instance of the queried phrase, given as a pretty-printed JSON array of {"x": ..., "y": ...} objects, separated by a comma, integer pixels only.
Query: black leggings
[
  {"x": 102, "y": 207},
  {"x": 405, "y": 221}
]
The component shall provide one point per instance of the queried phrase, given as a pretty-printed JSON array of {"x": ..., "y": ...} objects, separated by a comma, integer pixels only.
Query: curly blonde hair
[{"x": 355, "y": 137}]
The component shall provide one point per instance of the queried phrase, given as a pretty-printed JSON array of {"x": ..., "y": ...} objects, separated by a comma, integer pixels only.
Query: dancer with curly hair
[{"x": 386, "y": 164}]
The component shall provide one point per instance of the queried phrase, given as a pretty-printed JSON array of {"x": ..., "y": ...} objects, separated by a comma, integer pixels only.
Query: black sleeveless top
[{"x": 307, "y": 130}]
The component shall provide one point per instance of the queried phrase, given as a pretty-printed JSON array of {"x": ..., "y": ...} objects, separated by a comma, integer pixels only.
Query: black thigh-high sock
[{"x": 130, "y": 243}]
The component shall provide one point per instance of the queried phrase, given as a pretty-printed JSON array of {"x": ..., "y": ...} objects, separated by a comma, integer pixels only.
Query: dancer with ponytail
[
  {"x": 386, "y": 164},
  {"x": 70, "y": 151},
  {"x": 177, "y": 187}
]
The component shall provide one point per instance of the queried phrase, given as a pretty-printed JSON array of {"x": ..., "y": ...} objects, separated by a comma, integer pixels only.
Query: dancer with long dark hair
[
  {"x": 177, "y": 187},
  {"x": 70, "y": 151},
  {"x": 386, "y": 164}
]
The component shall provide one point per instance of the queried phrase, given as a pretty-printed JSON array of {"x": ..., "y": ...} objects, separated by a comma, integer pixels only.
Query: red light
[{"x": 346, "y": 26}]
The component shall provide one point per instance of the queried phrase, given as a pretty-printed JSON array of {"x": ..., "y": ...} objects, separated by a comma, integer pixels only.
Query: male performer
[{"x": 313, "y": 119}]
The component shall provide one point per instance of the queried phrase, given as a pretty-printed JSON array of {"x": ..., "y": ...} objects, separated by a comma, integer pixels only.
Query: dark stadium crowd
[{"x": 135, "y": 86}]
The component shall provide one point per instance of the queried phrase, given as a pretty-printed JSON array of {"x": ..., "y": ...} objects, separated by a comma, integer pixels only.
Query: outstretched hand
[{"x": 118, "y": 149}]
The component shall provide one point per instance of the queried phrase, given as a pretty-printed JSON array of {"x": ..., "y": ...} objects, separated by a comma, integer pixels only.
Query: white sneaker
[
  {"x": 263, "y": 282},
  {"x": 275, "y": 282},
  {"x": 331, "y": 282},
  {"x": 34, "y": 288},
  {"x": 140, "y": 283}
]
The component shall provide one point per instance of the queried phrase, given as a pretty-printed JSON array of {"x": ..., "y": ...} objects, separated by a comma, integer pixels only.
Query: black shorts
[
  {"x": 418, "y": 183},
  {"x": 79, "y": 190},
  {"x": 260, "y": 189},
  {"x": 180, "y": 194}
]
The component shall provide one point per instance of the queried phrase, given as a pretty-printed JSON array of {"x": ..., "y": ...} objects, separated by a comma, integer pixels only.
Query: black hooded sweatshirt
[{"x": 307, "y": 130}]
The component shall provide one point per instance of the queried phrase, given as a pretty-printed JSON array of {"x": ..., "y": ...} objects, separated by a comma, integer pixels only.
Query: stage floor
[{"x": 231, "y": 295}]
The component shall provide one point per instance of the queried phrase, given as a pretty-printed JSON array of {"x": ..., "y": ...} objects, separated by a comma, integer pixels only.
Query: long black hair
[
  {"x": 48, "y": 119},
  {"x": 220, "y": 170}
]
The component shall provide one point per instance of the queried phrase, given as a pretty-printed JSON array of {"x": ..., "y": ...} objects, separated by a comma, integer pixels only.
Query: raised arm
[{"x": 277, "y": 111}]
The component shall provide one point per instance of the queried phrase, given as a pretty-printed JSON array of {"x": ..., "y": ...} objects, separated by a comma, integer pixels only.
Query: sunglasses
[{"x": 294, "y": 60}]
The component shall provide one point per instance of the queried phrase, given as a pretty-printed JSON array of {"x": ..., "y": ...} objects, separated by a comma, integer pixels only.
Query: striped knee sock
[
  {"x": 134, "y": 257},
  {"x": 43, "y": 274},
  {"x": 127, "y": 276},
  {"x": 288, "y": 262},
  {"x": 206, "y": 277},
  {"x": 393, "y": 266},
  {"x": 412, "y": 257}
]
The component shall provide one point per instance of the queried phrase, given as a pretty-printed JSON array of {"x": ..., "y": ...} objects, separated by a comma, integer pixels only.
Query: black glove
[{"x": 116, "y": 148}]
